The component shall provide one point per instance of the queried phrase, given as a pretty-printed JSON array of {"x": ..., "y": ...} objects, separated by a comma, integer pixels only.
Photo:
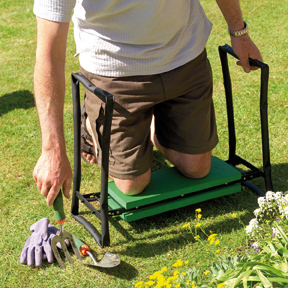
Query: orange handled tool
[{"x": 109, "y": 260}]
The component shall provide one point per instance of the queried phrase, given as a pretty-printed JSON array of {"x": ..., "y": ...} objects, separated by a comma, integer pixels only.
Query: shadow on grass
[
  {"x": 118, "y": 271},
  {"x": 151, "y": 228},
  {"x": 22, "y": 99}
]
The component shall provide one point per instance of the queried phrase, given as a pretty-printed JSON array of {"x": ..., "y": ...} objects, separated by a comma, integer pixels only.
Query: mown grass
[{"x": 147, "y": 245}]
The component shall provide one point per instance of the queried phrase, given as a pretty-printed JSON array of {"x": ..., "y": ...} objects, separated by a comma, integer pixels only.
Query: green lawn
[{"x": 147, "y": 245}]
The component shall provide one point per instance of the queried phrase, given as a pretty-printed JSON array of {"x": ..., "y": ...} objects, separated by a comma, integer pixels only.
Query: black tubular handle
[
  {"x": 252, "y": 62},
  {"x": 223, "y": 50},
  {"x": 103, "y": 95}
]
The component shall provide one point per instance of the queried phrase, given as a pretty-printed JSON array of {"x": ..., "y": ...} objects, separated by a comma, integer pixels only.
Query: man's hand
[
  {"x": 51, "y": 173},
  {"x": 244, "y": 48}
]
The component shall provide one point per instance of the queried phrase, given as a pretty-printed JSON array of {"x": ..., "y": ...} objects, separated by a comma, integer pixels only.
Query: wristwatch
[{"x": 239, "y": 32}]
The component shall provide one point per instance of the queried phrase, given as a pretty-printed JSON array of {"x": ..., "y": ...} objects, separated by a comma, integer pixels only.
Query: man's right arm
[{"x": 52, "y": 170}]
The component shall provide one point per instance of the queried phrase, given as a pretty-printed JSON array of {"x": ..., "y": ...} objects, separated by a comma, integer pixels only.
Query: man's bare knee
[
  {"x": 195, "y": 166},
  {"x": 133, "y": 186},
  {"x": 196, "y": 172}
]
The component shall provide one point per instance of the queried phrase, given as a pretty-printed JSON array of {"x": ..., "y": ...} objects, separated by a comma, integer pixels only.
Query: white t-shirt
[{"x": 131, "y": 37}]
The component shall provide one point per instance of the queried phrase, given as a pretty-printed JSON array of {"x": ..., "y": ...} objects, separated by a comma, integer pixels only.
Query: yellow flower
[
  {"x": 155, "y": 275},
  {"x": 183, "y": 273},
  {"x": 198, "y": 210},
  {"x": 217, "y": 242},
  {"x": 186, "y": 225},
  {"x": 139, "y": 284},
  {"x": 221, "y": 285},
  {"x": 176, "y": 272},
  {"x": 178, "y": 285},
  {"x": 199, "y": 216},
  {"x": 197, "y": 237},
  {"x": 198, "y": 225},
  {"x": 160, "y": 278},
  {"x": 233, "y": 252},
  {"x": 178, "y": 263},
  {"x": 217, "y": 251},
  {"x": 150, "y": 283},
  {"x": 206, "y": 272},
  {"x": 168, "y": 285},
  {"x": 234, "y": 215},
  {"x": 164, "y": 269},
  {"x": 212, "y": 236},
  {"x": 186, "y": 262},
  {"x": 212, "y": 241}
]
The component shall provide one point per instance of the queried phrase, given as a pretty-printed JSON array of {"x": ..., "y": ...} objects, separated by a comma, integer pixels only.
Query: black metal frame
[
  {"x": 235, "y": 160},
  {"x": 103, "y": 238}
]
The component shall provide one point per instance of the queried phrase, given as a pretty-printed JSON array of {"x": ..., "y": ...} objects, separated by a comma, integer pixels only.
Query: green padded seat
[{"x": 169, "y": 183}]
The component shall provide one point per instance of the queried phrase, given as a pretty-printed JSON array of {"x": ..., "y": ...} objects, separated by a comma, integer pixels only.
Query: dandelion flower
[
  {"x": 217, "y": 242},
  {"x": 198, "y": 210},
  {"x": 212, "y": 236},
  {"x": 197, "y": 237},
  {"x": 139, "y": 284},
  {"x": 178, "y": 263},
  {"x": 206, "y": 272},
  {"x": 198, "y": 225},
  {"x": 150, "y": 283},
  {"x": 155, "y": 275},
  {"x": 164, "y": 269},
  {"x": 234, "y": 215},
  {"x": 183, "y": 273},
  {"x": 178, "y": 285},
  {"x": 217, "y": 251},
  {"x": 186, "y": 225},
  {"x": 199, "y": 216}
]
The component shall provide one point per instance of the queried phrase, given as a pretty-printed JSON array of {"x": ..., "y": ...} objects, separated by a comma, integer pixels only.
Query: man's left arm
[{"x": 243, "y": 46}]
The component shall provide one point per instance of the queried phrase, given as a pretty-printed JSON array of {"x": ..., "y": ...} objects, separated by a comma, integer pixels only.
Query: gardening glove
[{"x": 38, "y": 245}]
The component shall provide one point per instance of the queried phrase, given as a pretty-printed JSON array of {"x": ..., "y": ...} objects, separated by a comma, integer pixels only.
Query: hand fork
[{"x": 60, "y": 219}]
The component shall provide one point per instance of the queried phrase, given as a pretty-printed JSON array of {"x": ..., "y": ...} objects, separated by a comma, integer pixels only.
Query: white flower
[
  {"x": 276, "y": 232},
  {"x": 261, "y": 201},
  {"x": 256, "y": 244},
  {"x": 257, "y": 212},
  {"x": 278, "y": 195},
  {"x": 285, "y": 211}
]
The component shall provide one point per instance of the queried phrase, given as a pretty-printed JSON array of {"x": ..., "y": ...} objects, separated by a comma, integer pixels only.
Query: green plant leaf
[
  {"x": 278, "y": 280},
  {"x": 263, "y": 279},
  {"x": 245, "y": 276},
  {"x": 283, "y": 252}
]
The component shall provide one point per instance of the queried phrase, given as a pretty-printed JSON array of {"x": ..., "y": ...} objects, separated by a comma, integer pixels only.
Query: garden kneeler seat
[{"x": 168, "y": 189}]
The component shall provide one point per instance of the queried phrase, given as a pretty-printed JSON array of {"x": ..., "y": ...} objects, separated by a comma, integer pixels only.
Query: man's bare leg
[{"x": 131, "y": 186}]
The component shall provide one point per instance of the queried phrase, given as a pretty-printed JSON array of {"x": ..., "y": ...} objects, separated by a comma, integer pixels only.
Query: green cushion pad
[
  {"x": 161, "y": 207},
  {"x": 169, "y": 183}
]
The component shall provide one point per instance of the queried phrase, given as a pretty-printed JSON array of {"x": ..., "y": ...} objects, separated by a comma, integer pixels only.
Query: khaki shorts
[{"x": 181, "y": 101}]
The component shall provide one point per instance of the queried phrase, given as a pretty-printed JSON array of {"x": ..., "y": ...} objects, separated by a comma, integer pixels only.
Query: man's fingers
[
  {"x": 66, "y": 188},
  {"x": 245, "y": 64},
  {"x": 53, "y": 192},
  {"x": 251, "y": 67},
  {"x": 45, "y": 189}
]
